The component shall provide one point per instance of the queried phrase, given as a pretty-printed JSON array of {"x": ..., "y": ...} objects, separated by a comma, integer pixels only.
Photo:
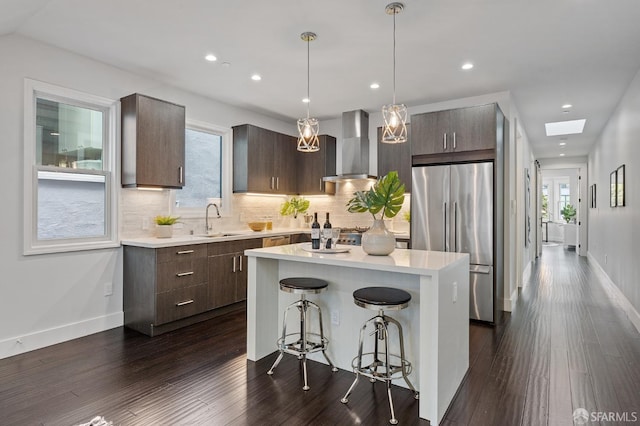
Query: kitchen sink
[{"x": 219, "y": 234}]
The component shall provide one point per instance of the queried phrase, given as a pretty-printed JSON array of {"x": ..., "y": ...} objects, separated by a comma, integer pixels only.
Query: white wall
[
  {"x": 46, "y": 299},
  {"x": 614, "y": 233}
]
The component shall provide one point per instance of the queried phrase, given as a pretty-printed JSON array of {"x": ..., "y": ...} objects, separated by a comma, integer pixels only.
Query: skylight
[{"x": 570, "y": 127}]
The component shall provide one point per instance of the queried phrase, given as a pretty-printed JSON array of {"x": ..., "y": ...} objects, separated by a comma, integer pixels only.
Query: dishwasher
[{"x": 281, "y": 240}]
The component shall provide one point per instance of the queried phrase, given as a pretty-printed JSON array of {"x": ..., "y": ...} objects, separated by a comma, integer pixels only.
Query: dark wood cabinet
[
  {"x": 454, "y": 131},
  {"x": 311, "y": 167},
  {"x": 263, "y": 161},
  {"x": 163, "y": 285},
  {"x": 228, "y": 271},
  {"x": 153, "y": 133},
  {"x": 395, "y": 156}
]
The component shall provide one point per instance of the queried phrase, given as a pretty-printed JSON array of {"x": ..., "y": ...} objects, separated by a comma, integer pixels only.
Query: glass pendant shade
[
  {"x": 308, "y": 135},
  {"x": 395, "y": 123}
]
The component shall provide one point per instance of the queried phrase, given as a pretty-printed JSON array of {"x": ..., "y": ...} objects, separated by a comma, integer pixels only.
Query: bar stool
[
  {"x": 303, "y": 342},
  {"x": 378, "y": 365}
]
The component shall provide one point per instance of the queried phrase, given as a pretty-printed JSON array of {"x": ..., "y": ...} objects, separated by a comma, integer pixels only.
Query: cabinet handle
[
  {"x": 444, "y": 141},
  {"x": 320, "y": 184},
  {"x": 234, "y": 264},
  {"x": 240, "y": 260},
  {"x": 454, "y": 140},
  {"x": 186, "y": 302},
  {"x": 180, "y": 175},
  {"x": 184, "y": 274},
  {"x": 277, "y": 182},
  {"x": 272, "y": 180},
  {"x": 185, "y": 251}
]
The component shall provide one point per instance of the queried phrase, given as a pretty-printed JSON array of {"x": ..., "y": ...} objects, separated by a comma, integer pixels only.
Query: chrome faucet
[{"x": 206, "y": 216}]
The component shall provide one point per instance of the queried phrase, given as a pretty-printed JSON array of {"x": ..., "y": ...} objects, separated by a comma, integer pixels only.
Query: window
[
  {"x": 564, "y": 197},
  {"x": 70, "y": 141},
  {"x": 207, "y": 169},
  {"x": 545, "y": 203},
  {"x": 203, "y": 169}
]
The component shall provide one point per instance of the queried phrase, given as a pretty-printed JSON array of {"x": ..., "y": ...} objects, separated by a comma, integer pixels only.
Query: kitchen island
[{"x": 436, "y": 323}]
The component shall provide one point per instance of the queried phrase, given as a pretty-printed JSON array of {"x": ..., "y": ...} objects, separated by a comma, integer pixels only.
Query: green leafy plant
[
  {"x": 294, "y": 206},
  {"x": 568, "y": 212},
  {"x": 385, "y": 197},
  {"x": 166, "y": 220},
  {"x": 407, "y": 216}
]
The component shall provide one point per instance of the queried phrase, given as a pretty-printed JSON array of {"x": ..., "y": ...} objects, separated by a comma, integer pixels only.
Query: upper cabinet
[
  {"x": 262, "y": 160},
  {"x": 311, "y": 167},
  {"x": 395, "y": 156},
  {"x": 455, "y": 131},
  {"x": 153, "y": 134},
  {"x": 268, "y": 162}
]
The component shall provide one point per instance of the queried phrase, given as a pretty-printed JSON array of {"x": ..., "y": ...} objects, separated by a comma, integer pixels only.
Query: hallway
[{"x": 565, "y": 346}]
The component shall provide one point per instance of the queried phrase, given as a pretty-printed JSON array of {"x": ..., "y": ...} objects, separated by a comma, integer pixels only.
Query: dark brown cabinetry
[
  {"x": 228, "y": 271},
  {"x": 163, "y": 285},
  {"x": 454, "y": 131},
  {"x": 153, "y": 134},
  {"x": 311, "y": 167},
  {"x": 395, "y": 156},
  {"x": 263, "y": 161}
]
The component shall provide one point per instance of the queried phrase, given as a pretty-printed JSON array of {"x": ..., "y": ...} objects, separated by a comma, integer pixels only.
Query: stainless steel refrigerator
[{"x": 452, "y": 209}]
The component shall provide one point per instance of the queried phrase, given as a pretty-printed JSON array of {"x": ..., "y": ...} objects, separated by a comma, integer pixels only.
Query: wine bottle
[
  {"x": 326, "y": 231},
  {"x": 315, "y": 232}
]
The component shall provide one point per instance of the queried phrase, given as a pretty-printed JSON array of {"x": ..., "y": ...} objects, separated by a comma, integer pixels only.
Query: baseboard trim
[
  {"x": 510, "y": 303},
  {"x": 40, "y": 339},
  {"x": 614, "y": 292}
]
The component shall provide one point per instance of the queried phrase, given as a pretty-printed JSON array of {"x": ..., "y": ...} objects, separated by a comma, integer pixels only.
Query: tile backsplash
[{"x": 139, "y": 207}]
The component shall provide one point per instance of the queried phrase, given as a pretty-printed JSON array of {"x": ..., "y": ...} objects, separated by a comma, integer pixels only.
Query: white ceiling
[{"x": 545, "y": 52}]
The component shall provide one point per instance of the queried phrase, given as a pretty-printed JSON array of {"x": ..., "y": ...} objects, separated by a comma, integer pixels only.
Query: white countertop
[
  {"x": 183, "y": 240},
  {"x": 420, "y": 262}
]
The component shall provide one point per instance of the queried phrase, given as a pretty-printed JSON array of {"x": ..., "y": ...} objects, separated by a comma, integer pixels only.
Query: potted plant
[
  {"x": 568, "y": 212},
  {"x": 293, "y": 207},
  {"x": 164, "y": 225},
  {"x": 383, "y": 200}
]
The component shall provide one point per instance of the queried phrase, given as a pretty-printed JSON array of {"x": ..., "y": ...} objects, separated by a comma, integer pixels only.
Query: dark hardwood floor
[{"x": 566, "y": 345}]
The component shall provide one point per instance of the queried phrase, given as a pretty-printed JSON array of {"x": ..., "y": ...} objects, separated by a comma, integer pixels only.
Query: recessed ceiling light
[
  {"x": 54, "y": 134},
  {"x": 256, "y": 77},
  {"x": 563, "y": 143},
  {"x": 566, "y": 106},
  {"x": 375, "y": 86},
  {"x": 467, "y": 66},
  {"x": 211, "y": 58},
  {"x": 562, "y": 155},
  {"x": 570, "y": 127},
  {"x": 306, "y": 100},
  {"x": 226, "y": 64}
]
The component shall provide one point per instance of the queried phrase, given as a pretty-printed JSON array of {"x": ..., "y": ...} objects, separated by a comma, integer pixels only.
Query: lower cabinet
[{"x": 171, "y": 287}]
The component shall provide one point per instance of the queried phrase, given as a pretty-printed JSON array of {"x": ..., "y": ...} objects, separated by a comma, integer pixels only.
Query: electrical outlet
[
  {"x": 145, "y": 223},
  {"x": 108, "y": 289},
  {"x": 454, "y": 292},
  {"x": 335, "y": 317}
]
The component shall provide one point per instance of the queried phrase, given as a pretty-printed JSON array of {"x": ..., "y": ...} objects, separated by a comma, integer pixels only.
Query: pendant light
[
  {"x": 395, "y": 115},
  {"x": 308, "y": 127}
]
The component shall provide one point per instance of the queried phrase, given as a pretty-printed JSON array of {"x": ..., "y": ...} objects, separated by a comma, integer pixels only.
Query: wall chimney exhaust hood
[{"x": 355, "y": 147}]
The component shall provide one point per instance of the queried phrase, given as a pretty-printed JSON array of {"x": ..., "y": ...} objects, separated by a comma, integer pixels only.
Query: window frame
[
  {"x": 33, "y": 90},
  {"x": 226, "y": 163}
]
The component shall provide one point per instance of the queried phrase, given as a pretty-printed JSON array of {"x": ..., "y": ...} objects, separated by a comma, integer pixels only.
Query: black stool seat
[
  {"x": 387, "y": 298},
  {"x": 303, "y": 285}
]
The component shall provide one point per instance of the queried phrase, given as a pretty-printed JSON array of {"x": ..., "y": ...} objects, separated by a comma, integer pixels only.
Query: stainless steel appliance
[
  {"x": 452, "y": 209},
  {"x": 351, "y": 236}
]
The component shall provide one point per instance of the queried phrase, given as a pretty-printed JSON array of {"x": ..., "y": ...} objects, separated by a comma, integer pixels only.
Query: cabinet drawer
[
  {"x": 171, "y": 254},
  {"x": 181, "y": 274},
  {"x": 180, "y": 303}
]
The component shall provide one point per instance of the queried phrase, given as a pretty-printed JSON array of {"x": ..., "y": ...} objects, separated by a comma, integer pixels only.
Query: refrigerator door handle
[
  {"x": 455, "y": 227},
  {"x": 444, "y": 217}
]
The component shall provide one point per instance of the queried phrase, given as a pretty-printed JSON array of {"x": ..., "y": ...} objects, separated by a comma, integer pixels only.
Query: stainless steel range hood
[{"x": 355, "y": 147}]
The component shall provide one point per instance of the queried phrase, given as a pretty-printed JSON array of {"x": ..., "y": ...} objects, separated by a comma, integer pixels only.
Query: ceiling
[{"x": 545, "y": 52}]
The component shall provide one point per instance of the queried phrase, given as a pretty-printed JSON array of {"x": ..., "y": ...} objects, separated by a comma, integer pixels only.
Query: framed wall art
[
  {"x": 613, "y": 198},
  {"x": 620, "y": 186}
]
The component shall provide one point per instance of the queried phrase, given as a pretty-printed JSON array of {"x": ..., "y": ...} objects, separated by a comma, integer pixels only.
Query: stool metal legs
[
  {"x": 302, "y": 346},
  {"x": 383, "y": 370}
]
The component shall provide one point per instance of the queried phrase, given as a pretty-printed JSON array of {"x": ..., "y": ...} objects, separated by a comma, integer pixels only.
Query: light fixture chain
[
  {"x": 394, "y": 57},
  {"x": 308, "y": 75}
]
